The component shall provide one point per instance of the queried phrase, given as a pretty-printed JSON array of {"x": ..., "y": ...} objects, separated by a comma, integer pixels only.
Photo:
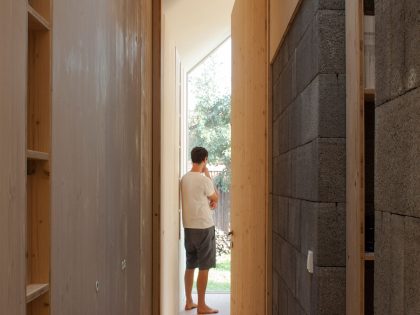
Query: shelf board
[
  {"x": 370, "y": 256},
  {"x": 36, "y": 22},
  {"x": 369, "y": 95},
  {"x": 36, "y": 155},
  {"x": 34, "y": 291}
]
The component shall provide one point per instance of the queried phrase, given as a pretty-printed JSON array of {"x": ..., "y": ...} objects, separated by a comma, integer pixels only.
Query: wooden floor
[{"x": 218, "y": 301}]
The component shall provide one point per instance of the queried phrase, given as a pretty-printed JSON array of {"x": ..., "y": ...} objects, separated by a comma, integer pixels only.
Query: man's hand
[
  {"x": 213, "y": 204},
  {"x": 206, "y": 171}
]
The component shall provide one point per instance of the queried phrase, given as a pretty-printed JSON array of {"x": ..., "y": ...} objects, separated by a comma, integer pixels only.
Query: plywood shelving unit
[{"x": 38, "y": 157}]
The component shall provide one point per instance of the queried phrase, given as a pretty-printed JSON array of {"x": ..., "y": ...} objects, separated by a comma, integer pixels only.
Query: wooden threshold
[
  {"x": 369, "y": 95},
  {"x": 370, "y": 256},
  {"x": 37, "y": 155},
  {"x": 36, "y": 22},
  {"x": 34, "y": 291}
]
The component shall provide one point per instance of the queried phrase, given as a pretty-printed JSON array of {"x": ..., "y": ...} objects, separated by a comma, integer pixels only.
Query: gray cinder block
[
  {"x": 332, "y": 170},
  {"x": 331, "y": 4},
  {"x": 309, "y": 228},
  {"x": 293, "y": 235},
  {"x": 330, "y": 287},
  {"x": 304, "y": 17},
  {"x": 293, "y": 306},
  {"x": 382, "y": 263},
  {"x": 331, "y": 238},
  {"x": 283, "y": 294},
  {"x": 304, "y": 173},
  {"x": 307, "y": 55},
  {"x": 288, "y": 265},
  {"x": 284, "y": 131},
  {"x": 308, "y": 114},
  {"x": 275, "y": 214},
  {"x": 287, "y": 84},
  {"x": 389, "y": 264},
  {"x": 303, "y": 284},
  {"x": 283, "y": 216},
  {"x": 323, "y": 231},
  {"x": 281, "y": 174},
  {"x": 276, "y": 252},
  {"x": 397, "y": 48},
  {"x": 319, "y": 111},
  {"x": 275, "y": 293},
  {"x": 411, "y": 268},
  {"x": 397, "y": 167},
  {"x": 332, "y": 106},
  {"x": 331, "y": 33},
  {"x": 276, "y": 137}
]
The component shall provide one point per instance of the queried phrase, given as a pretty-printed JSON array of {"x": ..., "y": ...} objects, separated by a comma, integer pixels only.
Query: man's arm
[{"x": 214, "y": 198}]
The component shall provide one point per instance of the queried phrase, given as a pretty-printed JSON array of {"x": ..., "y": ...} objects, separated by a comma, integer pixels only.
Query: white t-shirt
[{"x": 196, "y": 211}]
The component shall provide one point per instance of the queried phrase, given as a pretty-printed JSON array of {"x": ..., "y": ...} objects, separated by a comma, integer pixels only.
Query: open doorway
[
  {"x": 191, "y": 30},
  {"x": 208, "y": 124}
]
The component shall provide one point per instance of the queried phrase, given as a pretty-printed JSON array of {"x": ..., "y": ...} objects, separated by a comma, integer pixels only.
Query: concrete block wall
[
  {"x": 397, "y": 157},
  {"x": 308, "y": 193}
]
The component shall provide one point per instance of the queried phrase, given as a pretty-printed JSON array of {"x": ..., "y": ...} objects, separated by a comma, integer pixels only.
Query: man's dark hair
[{"x": 198, "y": 155}]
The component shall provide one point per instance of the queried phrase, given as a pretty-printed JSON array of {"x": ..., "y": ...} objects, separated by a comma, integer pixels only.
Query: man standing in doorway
[{"x": 198, "y": 199}]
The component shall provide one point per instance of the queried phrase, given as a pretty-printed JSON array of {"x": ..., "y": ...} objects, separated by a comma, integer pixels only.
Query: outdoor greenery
[
  {"x": 209, "y": 125},
  {"x": 219, "y": 277}
]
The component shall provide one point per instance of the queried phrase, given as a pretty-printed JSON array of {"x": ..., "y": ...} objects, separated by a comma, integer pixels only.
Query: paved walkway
[{"x": 219, "y": 301}]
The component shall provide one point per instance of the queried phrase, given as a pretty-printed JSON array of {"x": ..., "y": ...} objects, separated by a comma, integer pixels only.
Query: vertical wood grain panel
[
  {"x": 99, "y": 197},
  {"x": 156, "y": 148},
  {"x": 169, "y": 197},
  {"x": 355, "y": 158},
  {"x": 146, "y": 161},
  {"x": 249, "y": 156},
  {"x": 13, "y": 23}
]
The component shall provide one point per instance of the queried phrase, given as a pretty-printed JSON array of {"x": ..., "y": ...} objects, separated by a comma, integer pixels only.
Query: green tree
[{"x": 209, "y": 124}]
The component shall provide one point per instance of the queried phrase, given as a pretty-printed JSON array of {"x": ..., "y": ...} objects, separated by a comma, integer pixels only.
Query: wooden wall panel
[
  {"x": 249, "y": 156},
  {"x": 156, "y": 137},
  {"x": 13, "y": 23},
  {"x": 146, "y": 170},
  {"x": 281, "y": 14},
  {"x": 170, "y": 295},
  {"x": 355, "y": 158},
  {"x": 100, "y": 131}
]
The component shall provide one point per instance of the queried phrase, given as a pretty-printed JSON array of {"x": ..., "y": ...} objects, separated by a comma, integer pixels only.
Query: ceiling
[{"x": 197, "y": 26}]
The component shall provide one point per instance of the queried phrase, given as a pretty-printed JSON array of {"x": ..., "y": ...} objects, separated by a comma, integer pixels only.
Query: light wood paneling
[
  {"x": 156, "y": 164},
  {"x": 34, "y": 291},
  {"x": 146, "y": 168},
  {"x": 42, "y": 7},
  {"x": 249, "y": 156},
  {"x": 13, "y": 23},
  {"x": 99, "y": 57},
  {"x": 169, "y": 197},
  {"x": 281, "y": 15},
  {"x": 39, "y": 91},
  {"x": 355, "y": 203}
]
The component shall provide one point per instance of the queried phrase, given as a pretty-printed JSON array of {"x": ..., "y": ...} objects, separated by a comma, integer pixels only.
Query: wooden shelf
[
  {"x": 369, "y": 95},
  {"x": 369, "y": 256},
  {"x": 34, "y": 291},
  {"x": 36, "y": 22},
  {"x": 36, "y": 155}
]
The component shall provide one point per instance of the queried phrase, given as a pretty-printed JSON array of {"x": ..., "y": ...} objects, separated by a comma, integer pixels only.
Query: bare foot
[
  {"x": 206, "y": 310},
  {"x": 190, "y": 306}
]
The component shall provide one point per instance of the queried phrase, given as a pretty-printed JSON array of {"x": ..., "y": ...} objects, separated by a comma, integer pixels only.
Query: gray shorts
[{"x": 200, "y": 246}]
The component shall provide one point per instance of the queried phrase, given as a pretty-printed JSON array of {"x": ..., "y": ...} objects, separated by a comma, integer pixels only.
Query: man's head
[{"x": 199, "y": 155}]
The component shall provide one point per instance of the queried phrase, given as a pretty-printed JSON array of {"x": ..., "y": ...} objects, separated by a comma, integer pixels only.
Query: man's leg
[
  {"x": 203, "y": 276},
  {"x": 189, "y": 280}
]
